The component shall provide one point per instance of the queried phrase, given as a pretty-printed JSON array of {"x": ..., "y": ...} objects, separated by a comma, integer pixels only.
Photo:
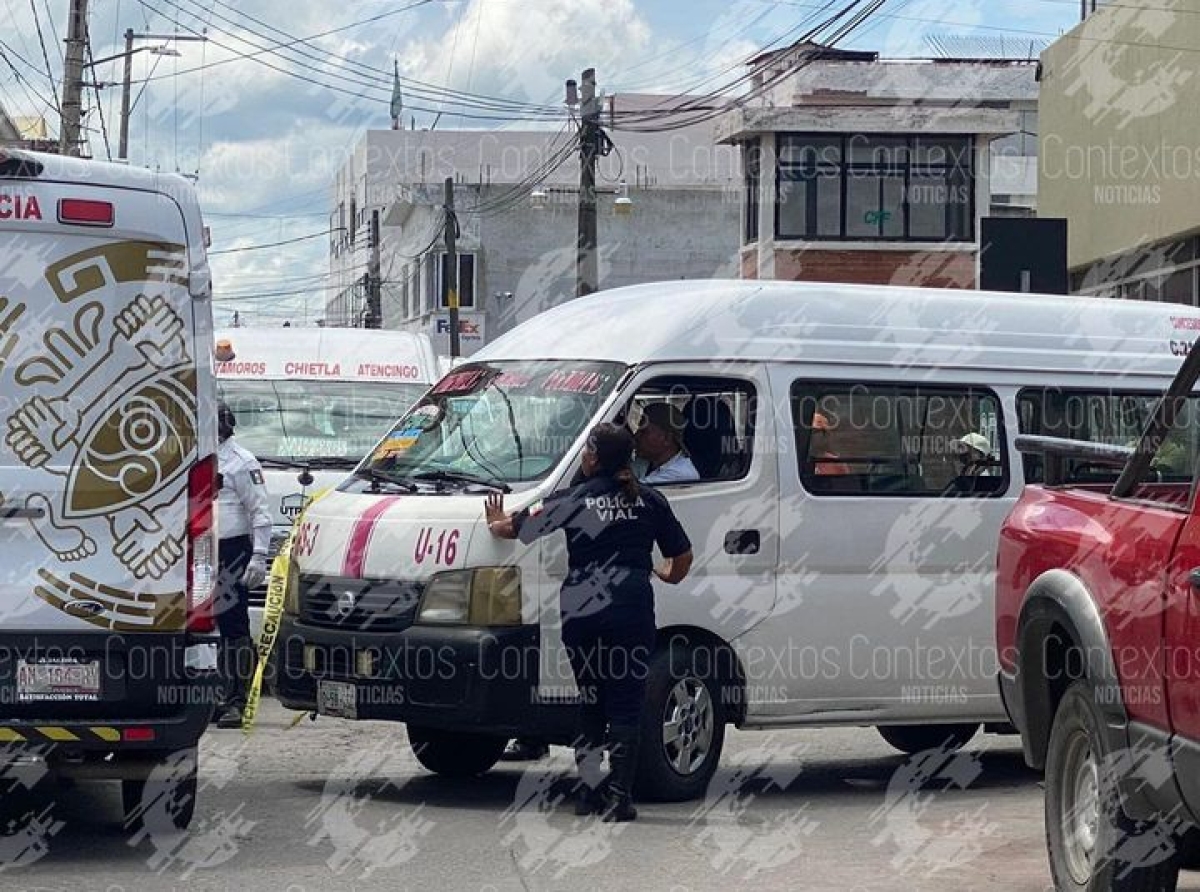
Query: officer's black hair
[
  {"x": 613, "y": 446},
  {"x": 226, "y": 420}
]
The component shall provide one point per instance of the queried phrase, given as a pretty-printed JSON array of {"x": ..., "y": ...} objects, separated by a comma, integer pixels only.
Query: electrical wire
[
  {"x": 30, "y": 90},
  {"x": 99, "y": 104},
  {"x": 376, "y": 84},
  {"x": 432, "y": 92},
  {"x": 37, "y": 21},
  {"x": 290, "y": 241},
  {"x": 698, "y": 110},
  {"x": 54, "y": 32}
]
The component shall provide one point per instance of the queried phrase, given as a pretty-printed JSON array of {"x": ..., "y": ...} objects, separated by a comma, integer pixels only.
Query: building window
[
  {"x": 753, "y": 153},
  {"x": 466, "y": 281},
  {"x": 432, "y": 282},
  {"x": 877, "y": 188}
]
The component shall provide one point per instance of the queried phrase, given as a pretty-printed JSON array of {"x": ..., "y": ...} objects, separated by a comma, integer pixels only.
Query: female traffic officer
[{"x": 612, "y": 524}]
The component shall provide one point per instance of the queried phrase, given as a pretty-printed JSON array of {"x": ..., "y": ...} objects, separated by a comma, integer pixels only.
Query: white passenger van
[
  {"x": 107, "y": 478},
  {"x": 310, "y": 402},
  {"x": 844, "y": 536}
]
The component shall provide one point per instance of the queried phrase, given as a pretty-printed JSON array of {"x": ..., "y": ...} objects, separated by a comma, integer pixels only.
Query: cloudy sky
[{"x": 265, "y": 111}]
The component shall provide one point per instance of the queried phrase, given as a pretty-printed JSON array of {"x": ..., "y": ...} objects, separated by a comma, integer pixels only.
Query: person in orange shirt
[{"x": 825, "y": 461}]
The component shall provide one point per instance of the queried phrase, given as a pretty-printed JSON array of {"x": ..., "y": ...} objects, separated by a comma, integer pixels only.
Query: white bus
[
  {"x": 844, "y": 534},
  {"x": 311, "y": 402}
]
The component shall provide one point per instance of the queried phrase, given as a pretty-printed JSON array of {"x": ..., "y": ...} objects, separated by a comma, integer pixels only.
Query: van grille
[{"x": 370, "y": 605}]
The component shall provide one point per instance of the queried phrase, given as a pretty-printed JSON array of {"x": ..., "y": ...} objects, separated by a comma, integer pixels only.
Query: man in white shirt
[
  {"x": 245, "y": 535},
  {"x": 658, "y": 439}
]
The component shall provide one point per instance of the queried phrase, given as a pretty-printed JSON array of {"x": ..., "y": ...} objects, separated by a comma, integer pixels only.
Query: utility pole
[
  {"x": 130, "y": 37},
  {"x": 374, "y": 285},
  {"x": 71, "y": 112},
  {"x": 587, "y": 272},
  {"x": 123, "y": 143},
  {"x": 450, "y": 268}
]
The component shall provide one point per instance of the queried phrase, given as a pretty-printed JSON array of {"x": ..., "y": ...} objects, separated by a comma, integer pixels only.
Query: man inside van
[
  {"x": 658, "y": 439},
  {"x": 245, "y": 531}
]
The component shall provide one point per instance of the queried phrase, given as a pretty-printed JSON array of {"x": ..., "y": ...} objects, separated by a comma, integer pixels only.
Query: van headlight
[{"x": 487, "y": 596}]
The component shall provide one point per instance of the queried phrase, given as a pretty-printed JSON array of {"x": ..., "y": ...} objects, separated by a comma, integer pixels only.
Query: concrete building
[
  {"x": 8, "y": 128},
  {"x": 515, "y": 194},
  {"x": 1119, "y": 149},
  {"x": 863, "y": 169}
]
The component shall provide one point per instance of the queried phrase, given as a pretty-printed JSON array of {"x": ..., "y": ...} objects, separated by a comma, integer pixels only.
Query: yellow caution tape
[
  {"x": 272, "y": 613},
  {"x": 301, "y": 716}
]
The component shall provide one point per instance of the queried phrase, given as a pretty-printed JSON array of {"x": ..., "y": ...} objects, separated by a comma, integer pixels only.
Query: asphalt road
[{"x": 339, "y": 805}]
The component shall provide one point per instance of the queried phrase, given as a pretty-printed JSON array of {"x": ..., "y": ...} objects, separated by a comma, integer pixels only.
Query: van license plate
[
  {"x": 337, "y": 698},
  {"x": 69, "y": 681}
]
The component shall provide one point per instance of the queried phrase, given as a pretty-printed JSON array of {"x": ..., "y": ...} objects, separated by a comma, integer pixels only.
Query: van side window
[
  {"x": 884, "y": 439},
  {"x": 714, "y": 419},
  {"x": 1106, "y": 416}
]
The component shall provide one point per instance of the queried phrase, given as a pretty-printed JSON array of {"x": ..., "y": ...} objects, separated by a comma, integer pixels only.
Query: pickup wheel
[
  {"x": 1093, "y": 845},
  {"x": 918, "y": 738},
  {"x": 455, "y": 753}
]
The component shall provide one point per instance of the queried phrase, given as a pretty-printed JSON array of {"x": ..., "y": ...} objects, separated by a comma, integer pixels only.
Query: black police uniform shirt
[{"x": 610, "y": 538}]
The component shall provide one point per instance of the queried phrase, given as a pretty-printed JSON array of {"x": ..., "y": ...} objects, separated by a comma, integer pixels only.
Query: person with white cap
[{"x": 975, "y": 456}]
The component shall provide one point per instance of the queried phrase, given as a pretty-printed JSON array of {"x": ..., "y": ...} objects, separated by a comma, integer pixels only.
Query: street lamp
[{"x": 163, "y": 50}]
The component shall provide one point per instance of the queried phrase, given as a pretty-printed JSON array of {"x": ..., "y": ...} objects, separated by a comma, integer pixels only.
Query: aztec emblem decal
[{"x": 105, "y": 410}]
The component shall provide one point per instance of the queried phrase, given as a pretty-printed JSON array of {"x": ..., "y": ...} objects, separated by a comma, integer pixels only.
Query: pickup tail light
[{"x": 201, "y": 545}]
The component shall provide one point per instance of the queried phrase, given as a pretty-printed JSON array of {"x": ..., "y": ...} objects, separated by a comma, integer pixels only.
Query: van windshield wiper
[
  {"x": 461, "y": 477},
  {"x": 378, "y": 478},
  {"x": 331, "y": 461},
  {"x": 278, "y": 461}
]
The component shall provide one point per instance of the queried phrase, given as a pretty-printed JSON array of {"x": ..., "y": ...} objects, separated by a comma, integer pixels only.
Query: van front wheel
[
  {"x": 683, "y": 726},
  {"x": 913, "y": 739},
  {"x": 455, "y": 753}
]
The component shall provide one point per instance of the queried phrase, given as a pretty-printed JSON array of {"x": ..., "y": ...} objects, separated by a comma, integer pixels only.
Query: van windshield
[
  {"x": 501, "y": 422},
  {"x": 334, "y": 423}
]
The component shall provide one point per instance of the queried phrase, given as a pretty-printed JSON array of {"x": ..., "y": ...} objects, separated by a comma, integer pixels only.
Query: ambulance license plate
[
  {"x": 62, "y": 680},
  {"x": 337, "y": 698}
]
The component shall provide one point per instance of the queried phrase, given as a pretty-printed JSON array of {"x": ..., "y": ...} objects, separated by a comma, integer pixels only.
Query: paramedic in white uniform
[{"x": 245, "y": 530}]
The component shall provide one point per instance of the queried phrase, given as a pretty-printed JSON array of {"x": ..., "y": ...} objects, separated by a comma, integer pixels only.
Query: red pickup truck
[{"x": 1098, "y": 629}]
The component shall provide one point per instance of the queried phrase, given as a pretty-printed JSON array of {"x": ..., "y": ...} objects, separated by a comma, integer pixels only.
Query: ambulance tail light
[
  {"x": 487, "y": 596},
  {"x": 85, "y": 212},
  {"x": 201, "y": 545}
]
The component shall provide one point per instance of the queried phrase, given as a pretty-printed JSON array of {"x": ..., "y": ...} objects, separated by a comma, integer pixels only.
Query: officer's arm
[
  {"x": 674, "y": 570},
  {"x": 253, "y": 494}
]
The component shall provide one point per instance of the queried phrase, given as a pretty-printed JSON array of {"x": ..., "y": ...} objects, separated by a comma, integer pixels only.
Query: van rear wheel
[
  {"x": 165, "y": 799},
  {"x": 455, "y": 753},
  {"x": 683, "y": 726},
  {"x": 917, "y": 738}
]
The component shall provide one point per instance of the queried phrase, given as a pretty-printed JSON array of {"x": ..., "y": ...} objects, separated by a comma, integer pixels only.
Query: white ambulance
[
  {"x": 844, "y": 533},
  {"x": 311, "y": 402},
  {"x": 107, "y": 478}
]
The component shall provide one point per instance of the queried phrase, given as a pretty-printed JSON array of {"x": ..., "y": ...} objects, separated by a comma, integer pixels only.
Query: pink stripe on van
[{"x": 360, "y": 537}]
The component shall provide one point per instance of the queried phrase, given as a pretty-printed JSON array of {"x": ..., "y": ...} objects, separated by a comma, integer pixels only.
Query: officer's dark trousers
[
  {"x": 232, "y": 608},
  {"x": 609, "y": 650}
]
